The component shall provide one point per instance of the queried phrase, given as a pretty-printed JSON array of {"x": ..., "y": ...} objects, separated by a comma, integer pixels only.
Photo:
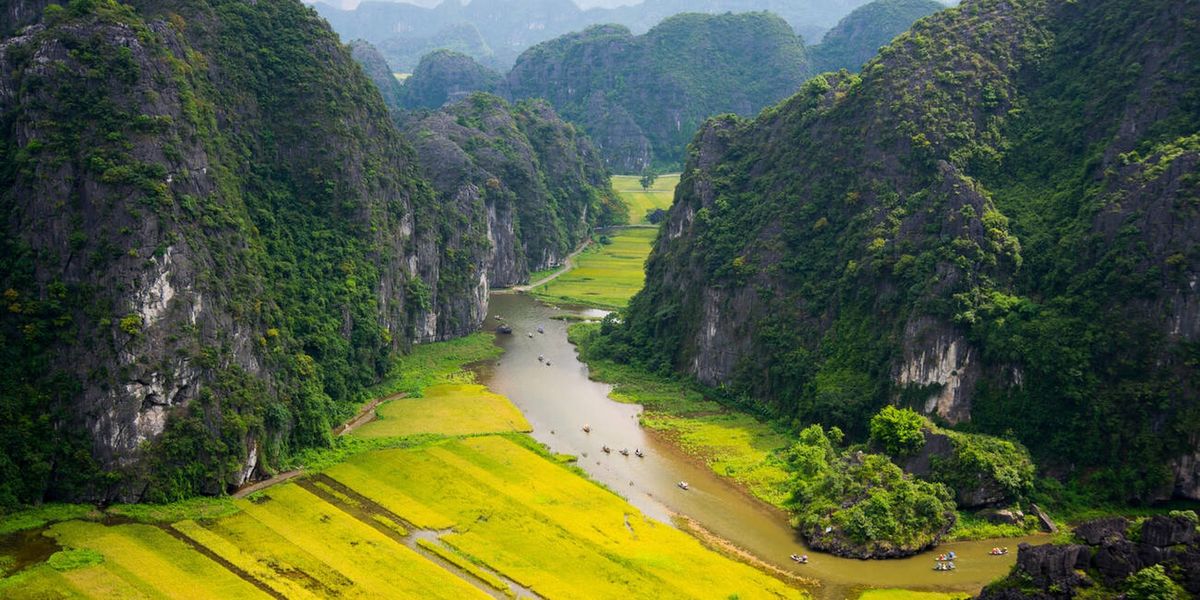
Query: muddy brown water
[{"x": 558, "y": 399}]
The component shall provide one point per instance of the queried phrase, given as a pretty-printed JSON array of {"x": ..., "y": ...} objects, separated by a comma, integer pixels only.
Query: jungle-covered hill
[{"x": 995, "y": 223}]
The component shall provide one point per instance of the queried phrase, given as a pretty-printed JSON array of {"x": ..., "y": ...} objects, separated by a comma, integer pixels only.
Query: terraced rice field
[
  {"x": 639, "y": 200},
  {"x": 467, "y": 514},
  {"x": 605, "y": 275}
]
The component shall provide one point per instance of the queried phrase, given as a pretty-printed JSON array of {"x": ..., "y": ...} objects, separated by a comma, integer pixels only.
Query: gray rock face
[
  {"x": 536, "y": 184},
  {"x": 378, "y": 70},
  {"x": 1054, "y": 571}
]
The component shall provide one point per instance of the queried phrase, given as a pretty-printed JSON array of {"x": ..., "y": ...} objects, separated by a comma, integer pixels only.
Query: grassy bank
[
  {"x": 605, "y": 275},
  {"x": 732, "y": 443},
  {"x": 442, "y": 497},
  {"x": 640, "y": 200}
]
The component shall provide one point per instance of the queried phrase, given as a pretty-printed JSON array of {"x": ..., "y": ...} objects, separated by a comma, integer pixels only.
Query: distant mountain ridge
[{"x": 510, "y": 27}]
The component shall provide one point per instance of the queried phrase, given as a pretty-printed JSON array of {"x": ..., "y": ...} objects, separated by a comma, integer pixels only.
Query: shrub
[{"x": 898, "y": 430}]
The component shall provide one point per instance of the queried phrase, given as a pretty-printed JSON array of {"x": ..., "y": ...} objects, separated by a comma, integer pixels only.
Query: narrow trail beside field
[
  {"x": 568, "y": 264},
  {"x": 365, "y": 415}
]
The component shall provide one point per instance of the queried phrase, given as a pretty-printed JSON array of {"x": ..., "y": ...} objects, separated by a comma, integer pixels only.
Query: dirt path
[
  {"x": 364, "y": 416},
  {"x": 246, "y": 490},
  {"x": 568, "y": 264}
]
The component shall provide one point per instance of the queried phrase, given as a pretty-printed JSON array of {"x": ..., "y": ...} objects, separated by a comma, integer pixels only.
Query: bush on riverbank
[{"x": 861, "y": 505}]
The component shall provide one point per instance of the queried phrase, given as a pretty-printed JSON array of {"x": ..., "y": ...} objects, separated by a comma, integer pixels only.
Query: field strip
[
  {"x": 229, "y": 566},
  {"x": 371, "y": 513}
]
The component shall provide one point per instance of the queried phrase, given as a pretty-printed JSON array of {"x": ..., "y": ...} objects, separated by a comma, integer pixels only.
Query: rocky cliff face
[
  {"x": 536, "y": 183},
  {"x": 374, "y": 65},
  {"x": 641, "y": 98},
  {"x": 447, "y": 76},
  {"x": 860, "y": 34},
  {"x": 213, "y": 238},
  {"x": 994, "y": 223},
  {"x": 1110, "y": 551}
]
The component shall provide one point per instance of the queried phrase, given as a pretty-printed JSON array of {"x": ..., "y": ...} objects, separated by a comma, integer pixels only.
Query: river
[{"x": 558, "y": 399}]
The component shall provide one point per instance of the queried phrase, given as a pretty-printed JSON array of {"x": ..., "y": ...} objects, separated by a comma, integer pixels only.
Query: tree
[
  {"x": 898, "y": 430},
  {"x": 1152, "y": 583},
  {"x": 648, "y": 178}
]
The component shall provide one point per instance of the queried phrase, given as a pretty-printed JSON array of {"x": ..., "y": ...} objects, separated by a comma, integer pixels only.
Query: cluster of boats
[
  {"x": 507, "y": 329},
  {"x": 945, "y": 562}
]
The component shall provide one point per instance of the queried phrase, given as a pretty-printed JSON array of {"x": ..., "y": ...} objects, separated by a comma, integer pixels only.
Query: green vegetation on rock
[
  {"x": 992, "y": 224},
  {"x": 862, "y": 505},
  {"x": 641, "y": 98}
]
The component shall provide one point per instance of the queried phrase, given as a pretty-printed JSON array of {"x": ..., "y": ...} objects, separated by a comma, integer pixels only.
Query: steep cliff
[
  {"x": 641, "y": 98},
  {"x": 214, "y": 236},
  {"x": 537, "y": 184},
  {"x": 374, "y": 65},
  {"x": 446, "y": 76},
  {"x": 994, "y": 223},
  {"x": 860, "y": 34}
]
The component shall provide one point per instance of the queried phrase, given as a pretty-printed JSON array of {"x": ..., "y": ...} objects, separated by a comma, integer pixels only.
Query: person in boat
[
  {"x": 624, "y": 451},
  {"x": 951, "y": 555},
  {"x": 587, "y": 428},
  {"x": 540, "y": 330},
  {"x": 529, "y": 334},
  {"x": 683, "y": 485},
  {"x": 541, "y": 358},
  {"x": 606, "y": 449},
  {"x": 638, "y": 452},
  {"x": 950, "y": 566},
  {"x": 804, "y": 559}
]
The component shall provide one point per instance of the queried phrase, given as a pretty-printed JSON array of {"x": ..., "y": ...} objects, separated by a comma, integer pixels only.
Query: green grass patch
[
  {"x": 446, "y": 409},
  {"x": 605, "y": 275},
  {"x": 68, "y": 560},
  {"x": 45, "y": 514},
  {"x": 193, "y": 508},
  {"x": 968, "y": 526},
  {"x": 431, "y": 364},
  {"x": 640, "y": 200}
]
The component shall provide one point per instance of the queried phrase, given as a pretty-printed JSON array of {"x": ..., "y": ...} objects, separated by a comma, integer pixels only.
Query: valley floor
[{"x": 434, "y": 499}]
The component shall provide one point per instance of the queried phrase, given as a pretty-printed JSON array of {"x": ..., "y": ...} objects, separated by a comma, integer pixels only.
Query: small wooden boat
[
  {"x": 800, "y": 559},
  {"x": 624, "y": 451},
  {"x": 638, "y": 453},
  {"x": 541, "y": 358},
  {"x": 547, "y": 363},
  {"x": 587, "y": 428},
  {"x": 606, "y": 449},
  {"x": 683, "y": 485},
  {"x": 505, "y": 329}
]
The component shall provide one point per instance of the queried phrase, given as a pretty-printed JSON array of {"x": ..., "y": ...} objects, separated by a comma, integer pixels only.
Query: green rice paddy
[
  {"x": 605, "y": 275},
  {"x": 639, "y": 200}
]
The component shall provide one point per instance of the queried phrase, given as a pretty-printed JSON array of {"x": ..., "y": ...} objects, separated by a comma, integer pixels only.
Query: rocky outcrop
[
  {"x": 642, "y": 98},
  {"x": 859, "y": 35},
  {"x": 1110, "y": 551},
  {"x": 446, "y": 76},
  {"x": 204, "y": 253},
  {"x": 374, "y": 65},
  {"x": 538, "y": 185},
  {"x": 939, "y": 358}
]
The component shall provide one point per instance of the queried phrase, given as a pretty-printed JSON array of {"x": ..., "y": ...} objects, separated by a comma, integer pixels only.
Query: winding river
[{"x": 557, "y": 398}]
